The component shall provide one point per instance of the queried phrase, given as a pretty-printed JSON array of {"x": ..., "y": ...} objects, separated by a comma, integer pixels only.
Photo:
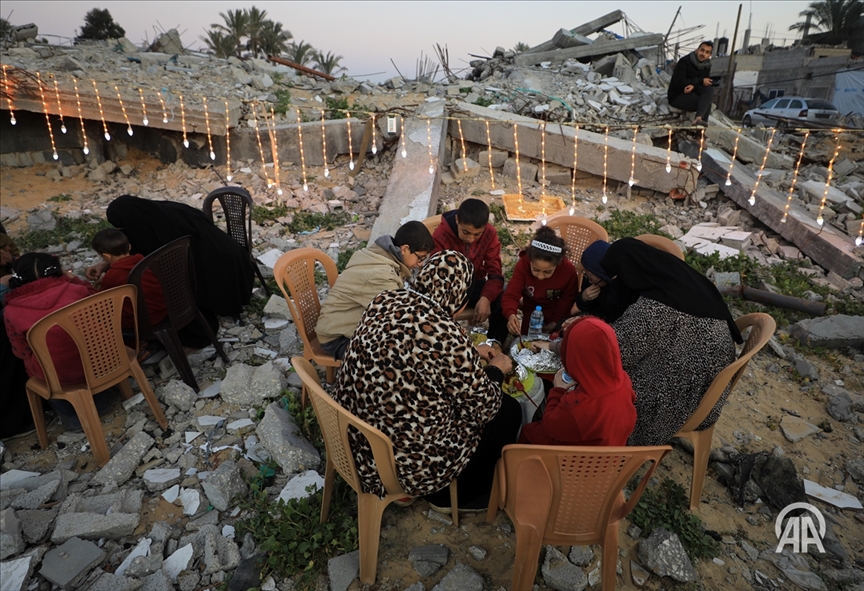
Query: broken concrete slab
[
  {"x": 224, "y": 485},
  {"x": 282, "y": 438},
  {"x": 597, "y": 48},
  {"x": 795, "y": 428},
  {"x": 749, "y": 150},
  {"x": 93, "y": 526},
  {"x": 68, "y": 564},
  {"x": 11, "y": 540},
  {"x": 565, "y": 38},
  {"x": 584, "y": 29},
  {"x": 833, "y": 332},
  {"x": 825, "y": 245},
  {"x": 14, "y": 573},
  {"x": 121, "y": 467},
  {"x": 650, "y": 160}
]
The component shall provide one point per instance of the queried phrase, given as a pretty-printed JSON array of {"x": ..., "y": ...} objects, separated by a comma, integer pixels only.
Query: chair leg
[
  {"x": 147, "y": 391},
  {"x": 85, "y": 408},
  {"x": 494, "y": 495},
  {"x": 172, "y": 344},
  {"x": 261, "y": 277},
  {"x": 212, "y": 337},
  {"x": 528, "y": 544},
  {"x": 125, "y": 389},
  {"x": 701, "y": 451},
  {"x": 331, "y": 374},
  {"x": 609, "y": 563},
  {"x": 329, "y": 480},
  {"x": 369, "y": 511},
  {"x": 38, "y": 417},
  {"x": 454, "y": 502}
]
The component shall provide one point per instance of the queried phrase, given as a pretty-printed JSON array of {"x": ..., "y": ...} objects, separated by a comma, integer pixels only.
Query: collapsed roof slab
[
  {"x": 412, "y": 191},
  {"x": 749, "y": 149},
  {"x": 826, "y": 246},
  {"x": 244, "y": 141},
  {"x": 584, "y": 29},
  {"x": 595, "y": 49},
  {"x": 650, "y": 161}
]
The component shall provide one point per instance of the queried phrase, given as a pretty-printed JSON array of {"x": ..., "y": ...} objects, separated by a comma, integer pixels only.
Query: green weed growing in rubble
[
  {"x": 67, "y": 230},
  {"x": 624, "y": 223}
]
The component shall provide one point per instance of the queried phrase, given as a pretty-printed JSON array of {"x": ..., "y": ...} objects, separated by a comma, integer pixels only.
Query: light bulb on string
[
  {"x": 164, "y": 110},
  {"x": 820, "y": 220},
  {"x": 860, "y": 238},
  {"x": 543, "y": 165},
  {"x": 402, "y": 135},
  {"x": 374, "y": 146},
  {"x": 752, "y": 200},
  {"x": 6, "y": 86},
  {"x": 701, "y": 147},
  {"x": 123, "y": 108},
  {"x": 795, "y": 177},
  {"x": 605, "y": 162},
  {"x": 575, "y": 163},
  {"x": 101, "y": 114},
  {"x": 518, "y": 165},
  {"x": 80, "y": 116},
  {"x": 144, "y": 121},
  {"x": 489, "y": 154},
  {"x": 228, "y": 174},
  {"x": 274, "y": 147},
  {"x": 59, "y": 106},
  {"x": 260, "y": 147},
  {"x": 183, "y": 121},
  {"x": 669, "y": 153},
  {"x": 350, "y": 145},
  {"x": 47, "y": 118},
  {"x": 734, "y": 155},
  {"x": 429, "y": 144},
  {"x": 632, "y": 181},
  {"x": 207, "y": 127},
  {"x": 302, "y": 154},
  {"x": 324, "y": 145},
  {"x": 462, "y": 140}
]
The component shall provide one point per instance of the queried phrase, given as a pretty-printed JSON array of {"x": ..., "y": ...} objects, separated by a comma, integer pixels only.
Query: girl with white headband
[{"x": 542, "y": 277}]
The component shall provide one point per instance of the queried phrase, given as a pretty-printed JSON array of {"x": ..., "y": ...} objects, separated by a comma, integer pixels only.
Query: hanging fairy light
[
  {"x": 605, "y": 162},
  {"x": 860, "y": 238},
  {"x": 402, "y": 135},
  {"x": 164, "y": 110},
  {"x": 47, "y": 118},
  {"x": 518, "y": 165},
  {"x": 228, "y": 175},
  {"x": 324, "y": 145},
  {"x": 632, "y": 180},
  {"x": 374, "y": 147},
  {"x": 257, "y": 126},
  {"x": 350, "y": 145},
  {"x": 701, "y": 147},
  {"x": 59, "y": 106},
  {"x": 795, "y": 177},
  {"x": 12, "y": 119},
  {"x": 543, "y": 165},
  {"x": 819, "y": 219},
  {"x": 734, "y": 155},
  {"x": 302, "y": 154},
  {"x": 123, "y": 108},
  {"x": 489, "y": 154},
  {"x": 429, "y": 144},
  {"x": 669, "y": 153},
  {"x": 183, "y": 121},
  {"x": 274, "y": 147},
  {"x": 575, "y": 162},
  {"x": 144, "y": 121},
  {"x": 101, "y": 114},
  {"x": 207, "y": 126},
  {"x": 81, "y": 116},
  {"x": 462, "y": 140},
  {"x": 752, "y": 200}
]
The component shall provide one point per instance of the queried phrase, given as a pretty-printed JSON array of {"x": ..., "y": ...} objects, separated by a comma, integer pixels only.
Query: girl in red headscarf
[{"x": 597, "y": 408}]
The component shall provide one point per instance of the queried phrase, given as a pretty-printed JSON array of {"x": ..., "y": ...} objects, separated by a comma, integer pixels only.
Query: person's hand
[
  {"x": 707, "y": 82},
  {"x": 94, "y": 272},
  {"x": 487, "y": 352},
  {"x": 688, "y": 89},
  {"x": 536, "y": 346},
  {"x": 513, "y": 324},
  {"x": 591, "y": 292},
  {"x": 482, "y": 310},
  {"x": 5, "y": 279},
  {"x": 567, "y": 323},
  {"x": 558, "y": 381},
  {"x": 502, "y": 362}
]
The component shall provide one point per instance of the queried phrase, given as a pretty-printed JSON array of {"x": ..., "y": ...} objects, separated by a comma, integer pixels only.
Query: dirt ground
[{"x": 767, "y": 390}]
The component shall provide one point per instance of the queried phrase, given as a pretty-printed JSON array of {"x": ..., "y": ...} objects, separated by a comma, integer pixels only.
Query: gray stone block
[
  {"x": 68, "y": 564},
  {"x": 663, "y": 554},
  {"x": 277, "y": 307},
  {"x": 461, "y": 578},
  {"x": 178, "y": 394},
  {"x": 158, "y": 581},
  {"x": 527, "y": 170},
  {"x": 833, "y": 332},
  {"x": 11, "y": 540},
  {"x": 342, "y": 570},
  {"x": 122, "y": 466},
  {"x": 124, "y": 501},
  {"x": 224, "y": 485},
  {"x": 93, "y": 526},
  {"x": 581, "y": 555},
  {"x": 280, "y": 435},
  {"x": 111, "y": 582},
  {"x": 41, "y": 220},
  {"x": 559, "y": 573},
  {"x": 32, "y": 500},
  {"x": 35, "y": 523}
]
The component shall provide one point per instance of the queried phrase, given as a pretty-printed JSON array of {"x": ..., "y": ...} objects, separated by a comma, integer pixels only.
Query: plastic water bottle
[{"x": 535, "y": 324}]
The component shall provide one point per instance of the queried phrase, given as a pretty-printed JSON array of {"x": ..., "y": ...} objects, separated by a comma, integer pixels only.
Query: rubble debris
[
  {"x": 833, "y": 332},
  {"x": 598, "y": 48}
]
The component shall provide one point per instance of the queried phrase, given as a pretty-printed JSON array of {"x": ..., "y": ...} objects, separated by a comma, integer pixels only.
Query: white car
[{"x": 794, "y": 108}]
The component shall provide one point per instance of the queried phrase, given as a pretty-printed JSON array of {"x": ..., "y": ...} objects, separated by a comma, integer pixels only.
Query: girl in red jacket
[
  {"x": 598, "y": 406},
  {"x": 542, "y": 277}
]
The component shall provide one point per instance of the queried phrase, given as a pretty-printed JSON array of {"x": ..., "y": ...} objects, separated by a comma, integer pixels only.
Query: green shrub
[
  {"x": 67, "y": 230},
  {"x": 283, "y": 101},
  {"x": 624, "y": 223},
  {"x": 305, "y": 221},
  {"x": 263, "y": 213}
]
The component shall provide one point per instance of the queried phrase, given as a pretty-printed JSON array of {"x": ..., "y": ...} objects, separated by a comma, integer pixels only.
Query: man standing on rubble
[{"x": 691, "y": 88}]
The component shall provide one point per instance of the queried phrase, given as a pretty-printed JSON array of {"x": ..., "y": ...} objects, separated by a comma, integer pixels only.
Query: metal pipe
[
  {"x": 774, "y": 299},
  {"x": 730, "y": 69},
  {"x": 304, "y": 69}
]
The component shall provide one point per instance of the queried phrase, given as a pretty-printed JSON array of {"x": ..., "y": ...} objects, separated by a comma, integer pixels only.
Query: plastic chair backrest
[
  {"x": 237, "y": 205},
  {"x": 578, "y": 233},
  {"x": 334, "y": 421},
  {"x": 172, "y": 265},
  {"x": 432, "y": 223},
  {"x": 762, "y": 327},
  {"x": 662, "y": 243},
  {"x": 94, "y": 324},
  {"x": 296, "y": 270}
]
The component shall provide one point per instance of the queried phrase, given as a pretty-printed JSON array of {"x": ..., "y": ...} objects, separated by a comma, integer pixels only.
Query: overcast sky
[{"x": 369, "y": 34}]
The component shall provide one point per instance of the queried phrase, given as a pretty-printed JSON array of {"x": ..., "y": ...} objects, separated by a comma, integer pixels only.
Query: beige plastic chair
[
  {"x": 295, "y": 274},
  {"x": 761, "y": 326},
  {"x": 334, "y": 421},
  {"x": 432, "y": 224},
  {"x": 567, "y": 496},
  {"x": 662, "y": 243},
  {"x": 94, "y": 324},
  {"x": 578, "y": 232}
]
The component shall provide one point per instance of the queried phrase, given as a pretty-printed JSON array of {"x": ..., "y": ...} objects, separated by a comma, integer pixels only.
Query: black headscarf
[
  {"x": 663, "y": 277},
  {"x": 223, "y": 270}
]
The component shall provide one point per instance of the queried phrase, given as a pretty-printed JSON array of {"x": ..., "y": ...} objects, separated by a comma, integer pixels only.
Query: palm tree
[
  {"x": 256, "y": 21},
  {"x": 834, "y": 20},
  {"x": 236, "y": 27},
  {"x": 329, "y": 63},
  {"x": 300, "y": 53},
  {"x": 520, "y": 47},
  {"x": 274, "y": 40},
  {"x": 219, "y": 43}
]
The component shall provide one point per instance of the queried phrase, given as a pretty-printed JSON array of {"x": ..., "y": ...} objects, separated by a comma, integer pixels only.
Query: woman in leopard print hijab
[{"x": 412, "y": 372}]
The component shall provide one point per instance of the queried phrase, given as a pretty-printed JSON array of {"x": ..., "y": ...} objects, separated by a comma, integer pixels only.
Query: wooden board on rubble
[{"x": 519, "y": 210}]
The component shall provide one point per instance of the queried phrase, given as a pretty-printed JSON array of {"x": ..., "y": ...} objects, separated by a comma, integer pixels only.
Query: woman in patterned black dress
[{"x": 675, "y": 338}]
